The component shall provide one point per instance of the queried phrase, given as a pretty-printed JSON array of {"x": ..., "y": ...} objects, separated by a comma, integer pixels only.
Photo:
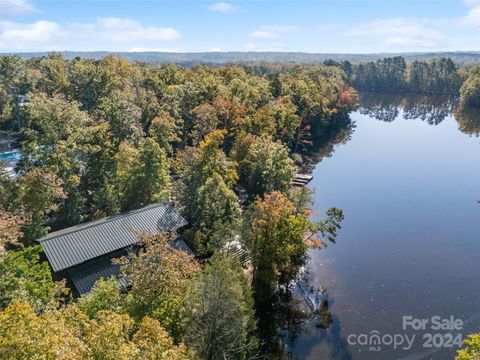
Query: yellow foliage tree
[{"x": 68, "y": 334}]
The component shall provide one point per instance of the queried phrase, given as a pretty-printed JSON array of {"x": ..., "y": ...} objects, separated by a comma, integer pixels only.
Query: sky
[{"x": 315, "y": 26}]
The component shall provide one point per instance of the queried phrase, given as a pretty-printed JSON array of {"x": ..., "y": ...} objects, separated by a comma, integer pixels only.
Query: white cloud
[
  {"x": 472, "y": 18},
  {"x": 222, "y": 7},
  {"x": 273, "y": 31},
  {"x": 16, "y": 7},
  {"x": 112, "y": 33},
  {"x": 411, "y": 33},
  {"x": 125, "y": 30},
  {"x": 41, "y": 35}
]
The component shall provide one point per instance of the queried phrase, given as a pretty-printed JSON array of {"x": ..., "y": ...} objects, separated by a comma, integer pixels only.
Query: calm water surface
[{"x": 410, "y": 242}]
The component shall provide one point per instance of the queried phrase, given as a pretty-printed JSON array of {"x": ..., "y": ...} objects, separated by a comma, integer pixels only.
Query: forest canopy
[
  {"x": 100, "y": 137},
  {"x": 223, "y": 144}
]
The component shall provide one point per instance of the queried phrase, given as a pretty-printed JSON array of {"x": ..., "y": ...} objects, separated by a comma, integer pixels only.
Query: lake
[{"x": 408, "y": 181}]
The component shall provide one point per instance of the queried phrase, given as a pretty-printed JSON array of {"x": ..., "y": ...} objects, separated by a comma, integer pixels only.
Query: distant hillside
[{"x": 460, "y": 57}]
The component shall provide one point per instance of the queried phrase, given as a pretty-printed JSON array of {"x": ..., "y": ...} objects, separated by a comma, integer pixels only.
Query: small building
[{"x": 83, "y": 253}]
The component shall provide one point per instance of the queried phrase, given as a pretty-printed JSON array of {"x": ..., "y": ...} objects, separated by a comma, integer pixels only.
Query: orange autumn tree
[
  {"x": 10, "y": 232},
  {"x": 278, "y": 246},
  {"x": 159, "y": 276},
  {"x": 280, "y": 232}
]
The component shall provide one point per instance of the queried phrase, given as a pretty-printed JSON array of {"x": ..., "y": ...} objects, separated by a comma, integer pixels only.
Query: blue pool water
[{"x": 11, "y": 156}]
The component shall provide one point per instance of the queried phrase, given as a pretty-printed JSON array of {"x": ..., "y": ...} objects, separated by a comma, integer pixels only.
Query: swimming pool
[{"x": 11, "y": 156}]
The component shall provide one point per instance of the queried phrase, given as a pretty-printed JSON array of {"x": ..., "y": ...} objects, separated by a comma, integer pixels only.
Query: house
[{"x": 83, "y": 253}]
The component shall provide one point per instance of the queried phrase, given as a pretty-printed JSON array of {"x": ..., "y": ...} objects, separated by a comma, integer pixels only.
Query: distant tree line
[
  {"x": 395, "y": 74},
  {"x": 221, "y": 58},
  {"x": 440, "y": 76}
]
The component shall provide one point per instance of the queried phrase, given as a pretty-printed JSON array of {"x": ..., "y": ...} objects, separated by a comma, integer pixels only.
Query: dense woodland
[
  {"x": 99, "y": 137},
  {"x": 397, "y": 75},
  {"x": 436, "y": 76}
]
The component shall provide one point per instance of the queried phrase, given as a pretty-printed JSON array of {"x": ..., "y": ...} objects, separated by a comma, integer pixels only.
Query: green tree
[
  {"x": 39, "y": 192},
  {"x": 163, "y": 130},
  {"x": 279, "y": 232},
  {"x": 104, "y": 296},
  {"x": 98, "y": 180},
  {"x": 219, "y": 320},
  {"x": 217, "y": 214},
  {"x": 126, "y": 161},
  {"x": 287, "y": 120},
  {"x": 11, "y": 217},
  {"x": 54, "y": 134},
  {"x": 123, "y": 116},
  {"x": 141, "y": 175},
  {"x": 23, "y": 276},
  {"x": 107, "y": 336},
  {"x": 10, "y": 233},
  {"x": 15, "y": 82},
  {"x": 91, "y": 81},
  {"x": 470, "y": 90},
  {"x": 267, "y": 166},
  {"x": 54, "y": 76},
  {"x": 194, "y": 165},
  {"x": 150, "y": 180}
]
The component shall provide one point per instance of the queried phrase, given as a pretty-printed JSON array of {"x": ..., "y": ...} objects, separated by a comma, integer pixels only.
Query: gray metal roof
[
  {"x": 181, "y": 245},
  {"x": 85, "y": 275},
  {"x": 75, "y": 245}
]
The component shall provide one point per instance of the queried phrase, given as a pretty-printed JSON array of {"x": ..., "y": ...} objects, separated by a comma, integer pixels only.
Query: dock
[{"x": 300, "y": 180}]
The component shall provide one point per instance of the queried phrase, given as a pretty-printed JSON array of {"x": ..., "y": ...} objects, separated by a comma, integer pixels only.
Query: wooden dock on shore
[{"x": 300, "y": 180}]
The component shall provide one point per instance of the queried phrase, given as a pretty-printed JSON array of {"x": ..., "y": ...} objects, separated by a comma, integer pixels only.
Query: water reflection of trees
[
  {"x": 299, "y": 317},
  {"x": 294, "y": 310},
  {"x": 322, "y": 324},
  {"x": 287, "y": 314},
  {"x": 432, "y": 109},
  {"x": 326, "y": 139},
  {"x": 468, "y": 120}
]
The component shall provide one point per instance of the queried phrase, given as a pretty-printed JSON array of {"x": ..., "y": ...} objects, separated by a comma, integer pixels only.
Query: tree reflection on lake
[
  {"x": 409, "y": 241},
  {"x": 468, "y": 120},
  {"x": 432, "y": 109},
  {"x": 324, "y": 143}
]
